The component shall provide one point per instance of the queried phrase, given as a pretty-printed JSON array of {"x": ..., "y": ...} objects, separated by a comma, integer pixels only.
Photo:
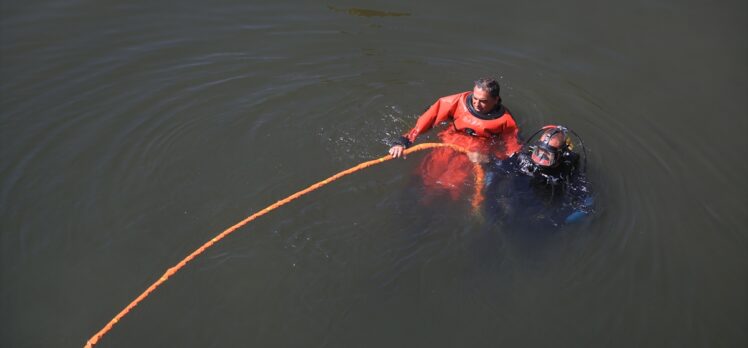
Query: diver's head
[{"x": 549, "y": 148}]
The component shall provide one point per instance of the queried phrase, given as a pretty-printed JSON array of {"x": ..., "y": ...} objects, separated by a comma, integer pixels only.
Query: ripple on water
[{"x": 134, "y": 131}]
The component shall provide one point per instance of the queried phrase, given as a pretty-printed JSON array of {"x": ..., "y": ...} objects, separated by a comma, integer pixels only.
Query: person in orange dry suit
[{"x": 475, "y": 120}]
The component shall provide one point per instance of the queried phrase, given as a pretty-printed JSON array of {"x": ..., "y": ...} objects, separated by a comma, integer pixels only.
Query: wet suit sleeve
[
  {"x": 442, "y": 110},
  {"x": 510, "y": 137}
]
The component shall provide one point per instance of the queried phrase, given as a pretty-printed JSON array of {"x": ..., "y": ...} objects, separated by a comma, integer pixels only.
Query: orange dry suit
[{"x": 493, "y": 134}]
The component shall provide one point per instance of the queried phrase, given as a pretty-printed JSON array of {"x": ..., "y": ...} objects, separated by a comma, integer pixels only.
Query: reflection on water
[{"x": 131, "y": 134}]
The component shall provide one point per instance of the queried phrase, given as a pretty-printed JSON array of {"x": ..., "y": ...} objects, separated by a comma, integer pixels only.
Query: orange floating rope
[{"x": 476, "y": 201}]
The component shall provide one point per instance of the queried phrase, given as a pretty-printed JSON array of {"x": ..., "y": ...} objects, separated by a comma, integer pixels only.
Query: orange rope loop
[{"x": 477, "y": 199}]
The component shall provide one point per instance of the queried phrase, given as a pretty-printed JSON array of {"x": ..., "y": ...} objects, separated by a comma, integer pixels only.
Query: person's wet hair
[{"x": 488, "y": 84}]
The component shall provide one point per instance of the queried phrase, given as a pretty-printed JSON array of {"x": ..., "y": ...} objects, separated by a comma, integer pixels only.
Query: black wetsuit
[{"x": 519, "y": 192}]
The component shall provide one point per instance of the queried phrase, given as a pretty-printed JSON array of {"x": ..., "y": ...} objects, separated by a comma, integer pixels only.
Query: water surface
[{"x": 132, "y": 133}]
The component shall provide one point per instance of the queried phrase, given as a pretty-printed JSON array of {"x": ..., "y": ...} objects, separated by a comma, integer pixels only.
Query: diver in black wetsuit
[{"x": 542, "y": 185}]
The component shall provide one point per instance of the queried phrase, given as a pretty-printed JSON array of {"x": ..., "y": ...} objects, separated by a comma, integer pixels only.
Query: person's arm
[
  {"x": 581, "y": 212},
  {"x": 510, "y": 137},
  {"x": 582, "y": 197},
  {"x": 441, "y": 110}
]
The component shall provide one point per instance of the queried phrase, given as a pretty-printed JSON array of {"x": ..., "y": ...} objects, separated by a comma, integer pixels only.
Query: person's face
[
  {"x": 483, "y": 102},
  {"x": 543, "y": 157}
]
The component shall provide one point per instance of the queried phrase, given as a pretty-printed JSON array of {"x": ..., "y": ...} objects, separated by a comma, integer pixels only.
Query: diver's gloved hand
[
  {"x": 581, "y": 212},
  {"x": 576, "y": 216}
]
